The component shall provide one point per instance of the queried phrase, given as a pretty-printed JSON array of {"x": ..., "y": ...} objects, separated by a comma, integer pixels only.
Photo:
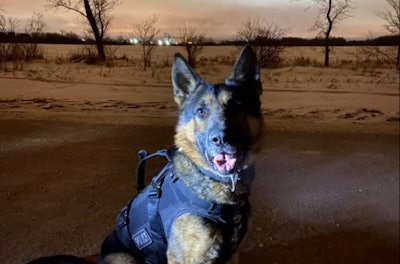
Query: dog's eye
[{"x": 201, "y": 112}]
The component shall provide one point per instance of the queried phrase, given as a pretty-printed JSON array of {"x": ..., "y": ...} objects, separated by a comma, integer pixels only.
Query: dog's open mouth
[{"x": 223, "y": 162}]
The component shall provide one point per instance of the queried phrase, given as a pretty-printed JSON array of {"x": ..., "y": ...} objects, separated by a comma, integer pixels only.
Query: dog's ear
[
  {"x": 246, "y": 70},
  {"x": 184, "y": 79}
]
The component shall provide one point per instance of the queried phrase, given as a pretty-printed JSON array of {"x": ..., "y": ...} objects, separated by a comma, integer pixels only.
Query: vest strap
[
  {"x": 159, "y": 243},
  {"x": 140, "y": 171}
]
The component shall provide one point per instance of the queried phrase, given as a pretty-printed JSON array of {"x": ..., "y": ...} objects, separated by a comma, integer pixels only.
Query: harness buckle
[
  {"x": 143, "y": 156},
  {"x": 174, "y": 177},
  {"x": 123, "y": 217},
  {"x": 155, "y": 192}
]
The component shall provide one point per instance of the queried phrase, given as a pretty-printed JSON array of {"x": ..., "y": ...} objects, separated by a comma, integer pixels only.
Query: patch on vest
[{"x": 142, "y": 239}]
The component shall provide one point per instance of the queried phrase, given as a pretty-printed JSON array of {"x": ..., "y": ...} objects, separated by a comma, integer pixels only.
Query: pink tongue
[{"x": 224, "y": 162}]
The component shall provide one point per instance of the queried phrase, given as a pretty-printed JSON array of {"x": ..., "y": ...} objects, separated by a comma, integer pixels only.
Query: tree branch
[{"x": 67, "y": 5}]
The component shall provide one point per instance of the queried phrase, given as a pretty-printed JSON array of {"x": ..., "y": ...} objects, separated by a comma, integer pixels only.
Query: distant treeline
[
  {"x": 72, "y": 38},
  {"x": 54, "y": 38},
  {"x": 291, "y": 41}
]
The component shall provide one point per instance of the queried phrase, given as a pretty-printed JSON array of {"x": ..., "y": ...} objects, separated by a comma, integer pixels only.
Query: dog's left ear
[
  {"x": 246, "y": 70},
  {"x": 184, "y": 79}
]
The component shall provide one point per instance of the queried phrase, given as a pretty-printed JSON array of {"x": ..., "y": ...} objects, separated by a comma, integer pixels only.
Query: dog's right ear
[{"x": 184, "y": 79}]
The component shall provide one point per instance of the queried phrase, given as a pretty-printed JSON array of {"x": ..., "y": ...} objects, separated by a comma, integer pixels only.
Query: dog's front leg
[{"x": 193, "y": 239}]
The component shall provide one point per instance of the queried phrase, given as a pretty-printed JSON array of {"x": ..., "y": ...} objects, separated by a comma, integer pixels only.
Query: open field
[
  {"x": 134, "y": 52},
  {"x": 327, "y": 190},
  {"x": 351, "y": 94}
]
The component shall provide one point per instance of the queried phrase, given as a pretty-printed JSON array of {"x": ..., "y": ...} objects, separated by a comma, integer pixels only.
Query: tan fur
[
  {"x": 185, "y": 141},
  {"x": 224, "y": 97},
  {"x": 209, "y": 100},
  {"x": 193, "y": 241},
  {"x": 118, "y": 258}
]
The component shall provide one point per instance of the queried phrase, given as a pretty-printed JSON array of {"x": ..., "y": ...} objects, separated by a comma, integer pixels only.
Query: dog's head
[{"x": 219, "y": 124}]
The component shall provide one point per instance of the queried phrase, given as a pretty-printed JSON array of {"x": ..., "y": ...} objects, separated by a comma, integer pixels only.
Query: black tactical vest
[{"x": 144, "y": 225}]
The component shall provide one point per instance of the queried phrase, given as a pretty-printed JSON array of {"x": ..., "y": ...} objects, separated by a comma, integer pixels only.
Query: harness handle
[{"x": 140, "y": 171}]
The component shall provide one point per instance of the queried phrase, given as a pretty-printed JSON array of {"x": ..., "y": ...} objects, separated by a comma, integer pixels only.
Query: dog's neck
[{"x": 207, "y": 187}]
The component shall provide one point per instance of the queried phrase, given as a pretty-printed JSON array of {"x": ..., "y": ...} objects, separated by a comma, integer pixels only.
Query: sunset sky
[{"x": 219, "y": 19}]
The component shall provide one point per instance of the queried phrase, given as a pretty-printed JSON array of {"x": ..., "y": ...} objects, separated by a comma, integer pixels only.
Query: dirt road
[{"x": 317, "y": 198}]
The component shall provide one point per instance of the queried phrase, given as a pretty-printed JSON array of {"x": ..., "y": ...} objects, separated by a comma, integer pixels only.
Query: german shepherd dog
[{"x": 200, "y": 211}]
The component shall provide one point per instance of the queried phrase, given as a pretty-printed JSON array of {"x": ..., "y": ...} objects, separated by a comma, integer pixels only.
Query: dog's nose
[{"x": 218, "y": 138}]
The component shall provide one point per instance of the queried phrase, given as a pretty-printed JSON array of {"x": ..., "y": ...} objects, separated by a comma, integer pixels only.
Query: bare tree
[
  {"x": 265, "y": 39},
  {"x": 376, "y": 54},
  {"x": 330, "y": 13},
  {"x": 34, "y": 27},
  {"x": 146, "y": 32},
  {"x": 392, "y": 18},
  {"x": 192, "y": 40},
  {"x": 3, "y": 29},
  {"x": 3, "y": 23},
  {"x": 97, "y": 14},
  {"x": 17, "y": 53},
  {"x": 13, "y": 24}
]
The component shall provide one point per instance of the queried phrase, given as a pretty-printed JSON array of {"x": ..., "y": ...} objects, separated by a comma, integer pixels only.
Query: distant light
[
  {"x": 83, "y": 40},
  {"x": 160, "y": 42},
  {"x": 167, "y": 43},
  {"x": 134, "y": 41}
]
